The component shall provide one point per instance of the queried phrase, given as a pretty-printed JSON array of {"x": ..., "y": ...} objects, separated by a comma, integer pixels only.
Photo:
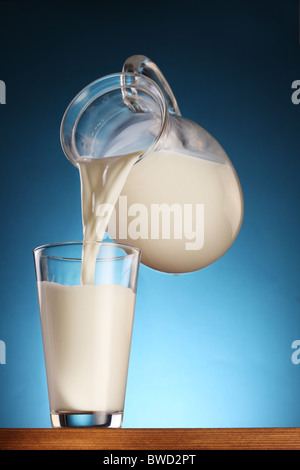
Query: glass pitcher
[{"x": 182, "y": 202}]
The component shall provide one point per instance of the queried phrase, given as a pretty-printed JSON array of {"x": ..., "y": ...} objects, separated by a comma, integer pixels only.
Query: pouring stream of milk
[{"x": 102, "y": 181}]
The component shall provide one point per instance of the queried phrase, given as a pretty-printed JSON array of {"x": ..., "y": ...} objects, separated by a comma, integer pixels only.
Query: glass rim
[{"x": 135, "y": 251}]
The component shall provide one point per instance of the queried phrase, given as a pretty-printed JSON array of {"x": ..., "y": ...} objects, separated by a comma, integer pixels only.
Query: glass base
[{"x": 85, "y": 419}]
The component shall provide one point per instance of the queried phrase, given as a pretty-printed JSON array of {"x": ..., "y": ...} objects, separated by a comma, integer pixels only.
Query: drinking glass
[{"x": 86, "y": 330}]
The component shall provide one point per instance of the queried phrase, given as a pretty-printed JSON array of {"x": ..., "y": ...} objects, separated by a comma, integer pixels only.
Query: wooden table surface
[{"x": 150, "y": 439}]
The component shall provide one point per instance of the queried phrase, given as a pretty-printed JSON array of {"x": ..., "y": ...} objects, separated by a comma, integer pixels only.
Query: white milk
[
  {"x": 87, "y": 328},
  {"x": 86, "y": 335},
  {"x": 208, "y": 196},
  {"x": 101, "y": 183}
]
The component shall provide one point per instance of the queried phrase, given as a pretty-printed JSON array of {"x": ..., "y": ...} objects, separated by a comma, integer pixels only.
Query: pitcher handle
[{"x": 144, "y": 66}]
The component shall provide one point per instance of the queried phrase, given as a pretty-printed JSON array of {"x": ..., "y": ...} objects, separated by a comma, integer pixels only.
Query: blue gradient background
[{"x": 209, "y": 349}]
